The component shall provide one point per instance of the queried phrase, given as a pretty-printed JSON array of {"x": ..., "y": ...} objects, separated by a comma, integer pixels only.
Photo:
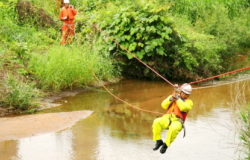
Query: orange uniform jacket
[{"x": 69, "y": 13}]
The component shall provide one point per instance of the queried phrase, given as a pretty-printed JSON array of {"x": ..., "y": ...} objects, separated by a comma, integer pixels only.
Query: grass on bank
[
  {"x": 32, "y": 61},
  {"x": 17, "y": 93},
  {"x": 241, "y": 114},
  {"x": 69, "y": 67}
]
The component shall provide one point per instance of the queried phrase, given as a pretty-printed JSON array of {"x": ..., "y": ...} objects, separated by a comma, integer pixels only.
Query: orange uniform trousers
[{"x": 68, "y": 31}]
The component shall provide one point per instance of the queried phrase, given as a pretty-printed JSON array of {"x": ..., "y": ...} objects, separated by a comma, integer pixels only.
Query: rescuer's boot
[
  {"x": 163, "y": 148},
  {"x": 158, "y": 144}
]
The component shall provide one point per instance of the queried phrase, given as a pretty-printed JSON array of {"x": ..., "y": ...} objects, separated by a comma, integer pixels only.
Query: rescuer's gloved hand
[
  {"x": 177, "y": 96},
  {"x": 64, "y": 18},
  {"x": 174, "y": 97},
  {"x": 171, "y": 99}
]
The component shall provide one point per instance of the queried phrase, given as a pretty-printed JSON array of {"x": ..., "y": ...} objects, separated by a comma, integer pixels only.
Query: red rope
[{"x": 242, "y": 69}]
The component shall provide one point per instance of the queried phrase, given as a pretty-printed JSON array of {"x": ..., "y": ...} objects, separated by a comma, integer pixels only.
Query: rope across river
[{"x": 202, "y": 80}]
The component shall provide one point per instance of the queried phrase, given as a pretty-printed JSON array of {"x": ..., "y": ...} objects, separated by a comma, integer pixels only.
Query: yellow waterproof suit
[{"x": 176, "y": 114}]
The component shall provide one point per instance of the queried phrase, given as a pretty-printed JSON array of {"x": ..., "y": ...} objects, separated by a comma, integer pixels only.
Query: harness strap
[
  {"x": 170, "y": 121},
  {"x": 183, "y": 126},
  {"x": 182, "y": 123}
]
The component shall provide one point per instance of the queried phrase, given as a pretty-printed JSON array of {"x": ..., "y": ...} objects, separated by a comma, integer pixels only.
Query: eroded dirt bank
[{"x": 30, "y": 125}]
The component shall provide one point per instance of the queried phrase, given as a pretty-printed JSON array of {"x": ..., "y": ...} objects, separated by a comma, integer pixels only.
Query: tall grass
[
  {"x": 68, "y": 67},
  {"x": 33, "y": 59},
  {"x": 241, "y": 113},
  {"x": 17, "y": 93}
]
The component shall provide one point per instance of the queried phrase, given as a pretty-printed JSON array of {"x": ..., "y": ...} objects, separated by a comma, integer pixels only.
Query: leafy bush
[
  {"x": 147, "y": 32},
  {"x": 152, "y": 34},
  {"x": 234, "y": 33},
  {"x": 17, "y": 93}
]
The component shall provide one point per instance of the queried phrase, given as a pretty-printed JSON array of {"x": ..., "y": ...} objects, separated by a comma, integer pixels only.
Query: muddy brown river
[{"x": 112, "y": 130}]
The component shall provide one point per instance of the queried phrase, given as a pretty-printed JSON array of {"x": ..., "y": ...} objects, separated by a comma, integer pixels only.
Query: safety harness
[{"x": 173, "y": 109}]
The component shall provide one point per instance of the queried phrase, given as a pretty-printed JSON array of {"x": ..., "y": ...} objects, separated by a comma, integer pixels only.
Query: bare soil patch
[{"x": 27, "y": 13}]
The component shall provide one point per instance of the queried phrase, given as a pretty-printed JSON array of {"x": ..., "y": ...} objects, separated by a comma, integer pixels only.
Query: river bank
[{"x": 48, "y": 101}]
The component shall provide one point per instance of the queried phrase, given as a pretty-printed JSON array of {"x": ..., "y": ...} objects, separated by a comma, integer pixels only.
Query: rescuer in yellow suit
[{"x": 177, "y": 106}]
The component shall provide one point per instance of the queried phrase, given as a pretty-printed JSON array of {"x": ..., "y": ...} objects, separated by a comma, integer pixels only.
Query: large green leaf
[
  {"x": 132, "y": 46},
  {"x": 160, "y": 51}
]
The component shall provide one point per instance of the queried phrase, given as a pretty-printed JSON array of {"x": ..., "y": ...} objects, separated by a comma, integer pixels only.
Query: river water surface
[{"x": 116, "y": 131}]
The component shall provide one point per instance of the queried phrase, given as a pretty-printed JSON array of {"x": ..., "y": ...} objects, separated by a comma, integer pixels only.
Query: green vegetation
[
  {"x": 241, "y": 113},
  {"x": 180, "y": 39},
  {"x": 57, "y": 68},
  {"x": 33, "y": 63},
  {"x": 245, "y": 130},
  {"x": 17, "y": 93}
]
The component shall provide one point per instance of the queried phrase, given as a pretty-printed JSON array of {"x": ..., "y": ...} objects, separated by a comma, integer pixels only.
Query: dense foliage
[
  {"x": 180, "y": 39},
  {"x": 32, "y": 61}
]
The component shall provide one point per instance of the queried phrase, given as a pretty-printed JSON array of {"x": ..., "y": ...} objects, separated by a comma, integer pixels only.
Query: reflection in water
[
  {"x": 117, "y": 131},
  {"x": 46, "y": 147},
  {"x": 8, "y": 149}
]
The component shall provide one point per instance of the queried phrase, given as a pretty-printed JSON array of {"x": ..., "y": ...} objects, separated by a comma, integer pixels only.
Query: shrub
[
  {"x": 233, "y": 33},
  {"x": 17, "y": 93},
  {"x": 159, "y": 39},
  {"x": 68, "y": 67}
]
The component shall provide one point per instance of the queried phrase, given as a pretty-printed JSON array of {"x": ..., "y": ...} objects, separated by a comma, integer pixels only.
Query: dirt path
[{"x": 30, "y": 125}]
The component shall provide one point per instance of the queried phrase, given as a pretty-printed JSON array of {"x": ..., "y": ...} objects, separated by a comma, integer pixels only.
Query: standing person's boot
[
  {"x": 163, "y": 148},
  {"x": 158, "y": 144}
]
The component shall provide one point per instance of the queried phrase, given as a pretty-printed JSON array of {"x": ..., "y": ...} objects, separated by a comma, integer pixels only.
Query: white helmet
[
  {"x": 66, "y": 1},
  {"x": 186, "y": 88}
]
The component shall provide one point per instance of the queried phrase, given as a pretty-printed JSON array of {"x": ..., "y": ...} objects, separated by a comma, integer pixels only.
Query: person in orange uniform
[
  {"x": 177, "y": 106},
  {"x": 67, "y": 15}
]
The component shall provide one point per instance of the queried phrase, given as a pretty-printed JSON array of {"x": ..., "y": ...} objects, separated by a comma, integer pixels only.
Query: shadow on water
[{"x": 117, "y": 131}]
